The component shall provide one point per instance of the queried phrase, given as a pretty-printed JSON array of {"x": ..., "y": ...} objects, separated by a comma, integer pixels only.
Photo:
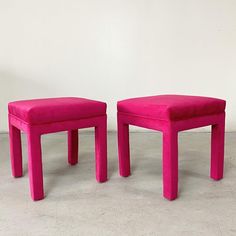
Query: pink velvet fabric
[
  {"x": 171, "y": 114},
  {"x": 172, "y": 107},
  {"x": 42, "y": 116},
  {"x": 49, "y": 110}
]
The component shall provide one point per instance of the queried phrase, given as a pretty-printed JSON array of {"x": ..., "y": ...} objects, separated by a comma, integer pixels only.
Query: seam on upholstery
[
  {"x": 148, "y": 117},
  {"x": 17, "y": 118}
]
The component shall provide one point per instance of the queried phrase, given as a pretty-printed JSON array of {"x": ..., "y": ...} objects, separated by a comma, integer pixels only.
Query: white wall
[{"x": 114, "y": 49}]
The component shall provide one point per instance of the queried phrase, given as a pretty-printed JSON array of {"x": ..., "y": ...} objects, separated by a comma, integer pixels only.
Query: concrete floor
[{"x": 76, "y": 205}]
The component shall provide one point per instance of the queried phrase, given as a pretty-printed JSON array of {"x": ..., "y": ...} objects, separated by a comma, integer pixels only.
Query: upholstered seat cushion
[
  {"x": 172, "y": 107},
  {"x": 48, "y": 110}
]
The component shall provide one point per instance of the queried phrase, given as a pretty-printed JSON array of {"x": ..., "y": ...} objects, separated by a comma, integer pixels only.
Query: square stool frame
[
  {"x": 170, "y": 131},
  {"x": 34, "y": 133}
]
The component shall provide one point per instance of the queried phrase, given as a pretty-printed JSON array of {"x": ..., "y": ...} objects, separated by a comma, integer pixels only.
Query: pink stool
[
  {"x": 171, "y": 114},
  {"x": 42, "y": 116}
]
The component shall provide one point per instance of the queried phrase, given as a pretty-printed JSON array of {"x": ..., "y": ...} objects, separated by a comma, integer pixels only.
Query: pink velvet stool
[
  {"x": 42, "y": 116},
  {"x": 171, "y": 114}
]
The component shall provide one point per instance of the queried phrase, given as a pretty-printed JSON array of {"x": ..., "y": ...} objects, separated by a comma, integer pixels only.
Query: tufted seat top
[
  {"x": 48, "y": 110},
  {"x": 172, "y": 107}
]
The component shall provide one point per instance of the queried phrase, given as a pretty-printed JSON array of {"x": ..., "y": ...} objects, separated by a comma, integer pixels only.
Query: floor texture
[{"x": 76, "y": 205}]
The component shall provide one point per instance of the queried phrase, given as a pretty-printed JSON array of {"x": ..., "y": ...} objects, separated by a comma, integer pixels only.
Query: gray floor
[{"x": 76, "y": 205}]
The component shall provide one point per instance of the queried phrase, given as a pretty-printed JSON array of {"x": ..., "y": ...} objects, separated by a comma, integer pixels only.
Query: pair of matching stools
[{"x": 166, "y": 113}]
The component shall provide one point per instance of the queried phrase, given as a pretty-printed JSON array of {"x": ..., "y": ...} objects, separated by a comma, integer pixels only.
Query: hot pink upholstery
[
  {"x": 40, "y": 111},
  {"x": 41, "y": 116},
  {"x": 172, "y": 107},
  {"x": 171, "y": 114}
]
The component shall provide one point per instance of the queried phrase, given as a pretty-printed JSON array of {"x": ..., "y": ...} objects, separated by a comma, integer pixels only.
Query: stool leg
[
  {"x": 35, "y": 166},
  {"x": 170, "y": 164},
  {"x": 217, "y": 150},
  {"x": 123, "y": 148},
  {"x": 73, "y": 147},
  {"x": 101, "y": 151},
  {"x": 15, "y": 151}
]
